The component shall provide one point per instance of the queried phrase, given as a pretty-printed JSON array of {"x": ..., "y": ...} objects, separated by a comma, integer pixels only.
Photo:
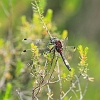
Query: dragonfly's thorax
[
  {"x": 58, "y": 46},
  {"x": 57, "y": 43}
]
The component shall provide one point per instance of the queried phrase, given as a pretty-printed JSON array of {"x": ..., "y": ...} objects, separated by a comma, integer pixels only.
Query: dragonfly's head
[{"x": 53, "y": 39}]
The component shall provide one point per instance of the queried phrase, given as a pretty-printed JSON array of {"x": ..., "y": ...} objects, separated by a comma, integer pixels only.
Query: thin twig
[
  {"x": 19, "y": 94},
  {"x": 53, "y": 69},
  {"x": 41, "y": 82},
  {"x": 54, "y": 81},
  {"x": 49, "y": 90},
  {"x": 75, "y": 94},
  {"x": 51, "y": 64},
  {"x": 85, "y": 86},
  {"x": 71, "y": 87},
  {"x": 4, "y": 9},
  {"x": 38, "y": 87},
  {"x": 81, "y": 96},
  {"x": 70, "y": 98},
  {"x": 40, "y": 16},
  {"x": 60, "y": 83}
]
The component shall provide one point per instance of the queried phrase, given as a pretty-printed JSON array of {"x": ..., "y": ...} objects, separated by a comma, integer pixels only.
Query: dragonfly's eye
[{"x": 53, "y": 39}]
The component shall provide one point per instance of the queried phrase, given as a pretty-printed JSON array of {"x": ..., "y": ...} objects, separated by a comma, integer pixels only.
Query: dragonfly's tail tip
[{"x": 70, "y": 69}]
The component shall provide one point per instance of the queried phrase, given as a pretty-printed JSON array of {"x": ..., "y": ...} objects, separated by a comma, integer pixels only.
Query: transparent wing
[
  {"x": 37, "y": 42},
  {"x": 65, "y": 42},
  {"x": 41, "y": 44},
  {"x": 68, "y": 52}
]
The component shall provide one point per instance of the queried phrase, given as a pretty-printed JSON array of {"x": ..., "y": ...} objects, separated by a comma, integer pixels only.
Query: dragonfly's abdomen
[{"x": 65, "y": 62}]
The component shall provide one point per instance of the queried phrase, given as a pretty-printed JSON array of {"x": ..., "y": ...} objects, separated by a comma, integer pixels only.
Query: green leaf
[
  {"x": 42, "y": 4},
  {"x": 86, "y": 50},
  {"x": 48, "y": 16},
  {"x": 8, "y": 90},
  {"x": 64, "y": 34}
]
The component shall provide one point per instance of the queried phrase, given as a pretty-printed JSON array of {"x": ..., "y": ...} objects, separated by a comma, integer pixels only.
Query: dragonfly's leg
[{"x": 50, "y": 49}]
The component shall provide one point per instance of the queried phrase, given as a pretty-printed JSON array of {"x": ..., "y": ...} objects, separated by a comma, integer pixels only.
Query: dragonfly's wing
[
  {"x": 37, "y": 42},
  {"x": 41, "y": 44},
  {"x": 68, "y": 52},
  {"x": 65, "y": 42}
]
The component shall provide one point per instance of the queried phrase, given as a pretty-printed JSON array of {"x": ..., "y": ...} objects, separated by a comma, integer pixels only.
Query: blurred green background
[{"x": 81, "y": 18}]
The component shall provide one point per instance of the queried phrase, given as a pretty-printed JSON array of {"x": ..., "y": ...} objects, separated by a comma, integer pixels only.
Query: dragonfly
[{"x": 60, "y": 47}]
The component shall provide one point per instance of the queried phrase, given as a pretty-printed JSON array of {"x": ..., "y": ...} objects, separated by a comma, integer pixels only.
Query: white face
[{"x": 54, "y": 39}]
